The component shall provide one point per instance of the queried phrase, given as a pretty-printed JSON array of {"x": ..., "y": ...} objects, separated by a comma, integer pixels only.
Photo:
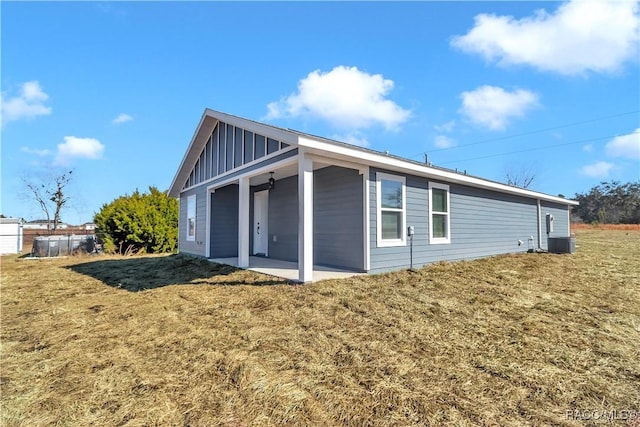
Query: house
[
  {"x": 43, "y": 224},
  {"x": 249, "y": 189},
  {"x": 11, "y": 239}
]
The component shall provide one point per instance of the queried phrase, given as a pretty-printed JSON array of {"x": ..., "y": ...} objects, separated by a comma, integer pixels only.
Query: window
[
  {"x": 439, "y": 229},
  {"x": 391, "y": 210},
  {"x": 191, "y": 217}
]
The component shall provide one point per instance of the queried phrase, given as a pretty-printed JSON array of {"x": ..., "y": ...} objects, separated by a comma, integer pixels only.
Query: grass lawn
[{"x": 169, "y": 340}]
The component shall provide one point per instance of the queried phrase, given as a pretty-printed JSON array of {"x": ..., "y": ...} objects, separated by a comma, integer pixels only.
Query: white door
[{"x": 260, "y": 223}]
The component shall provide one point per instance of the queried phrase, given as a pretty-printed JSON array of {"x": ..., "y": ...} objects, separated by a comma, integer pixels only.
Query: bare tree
[
  {"x": 50, "y": 194},
  {"x": 522, "y": 176}
]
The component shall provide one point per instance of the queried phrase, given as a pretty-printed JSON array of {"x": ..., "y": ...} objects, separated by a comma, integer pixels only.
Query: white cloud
[
  {"x": 445, "y": 127},
  {"x": 122, "y": 118},
  {"x": 27, "y": 105},
  {"x": 494, "y": 107},
  {"x": 355, "y": 138},
  {"x": 78, "y": 148},
  {"x": 625, "y": 146},
  {"x": 580, "y": 36},
  {"x": 345, "y": 97},
  {"x": 38, "y": 152},
  {"x": 443, "y": 141},
  {"x": 597, "y": 170}
]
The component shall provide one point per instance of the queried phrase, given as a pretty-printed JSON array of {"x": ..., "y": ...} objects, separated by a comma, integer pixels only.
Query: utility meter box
[{"x": 549, "y": 219}]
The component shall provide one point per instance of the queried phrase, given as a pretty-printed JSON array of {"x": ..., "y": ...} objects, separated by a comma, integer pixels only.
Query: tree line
[{"x": 610, "y": 203}]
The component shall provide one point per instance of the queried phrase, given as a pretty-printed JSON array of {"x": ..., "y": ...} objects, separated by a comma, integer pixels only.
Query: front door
[{"x": 260, "y": 223}]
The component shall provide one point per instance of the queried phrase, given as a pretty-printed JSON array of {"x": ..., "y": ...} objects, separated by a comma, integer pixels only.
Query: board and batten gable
[{"x": 482, "y": 223}]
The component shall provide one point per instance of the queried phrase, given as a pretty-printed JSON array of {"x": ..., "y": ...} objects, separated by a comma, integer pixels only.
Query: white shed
[{"x": 10, "y": 236}]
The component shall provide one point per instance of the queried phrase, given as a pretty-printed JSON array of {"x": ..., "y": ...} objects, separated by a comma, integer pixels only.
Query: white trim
[
  {"x": 367, "y": 219},
  {"x": 272, "y": 132},
  {"x": 395, "y": 164},
  {"x": 402, "y": 241},
  {"x": 243, "y": 222},
  {"x": 569, "y": 220},
  {"x": 439, "y": 240},
  {"x": 539, "y": 225},
  {"x": 188, "y": 156},
  {"x": 207, "y": 226},
  {"x": 361, "y": 168},
  {"x": 193, "y": 197},
  {"x": 305, "y": 218}
]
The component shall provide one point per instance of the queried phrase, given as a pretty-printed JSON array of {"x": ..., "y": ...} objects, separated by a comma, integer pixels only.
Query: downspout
[{"x": 539, "y": 225}]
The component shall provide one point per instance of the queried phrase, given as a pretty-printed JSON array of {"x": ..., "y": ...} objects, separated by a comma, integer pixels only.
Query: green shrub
[{"x": 141, "y": 222}]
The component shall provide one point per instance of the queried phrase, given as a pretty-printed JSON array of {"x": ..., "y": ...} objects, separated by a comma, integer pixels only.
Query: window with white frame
[
  {"x": 391, "y": 201},
  {"x": 440, "y": 226},
  {"x": 191, "y": 217}
]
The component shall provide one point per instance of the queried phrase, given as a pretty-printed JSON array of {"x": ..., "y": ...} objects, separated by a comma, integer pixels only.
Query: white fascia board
[
  {"x": 361, "y": 168},
  {"x": 391, "y": 163},
  {"x": 188, "y": 160},
  {"x": 256, "y": 127}
]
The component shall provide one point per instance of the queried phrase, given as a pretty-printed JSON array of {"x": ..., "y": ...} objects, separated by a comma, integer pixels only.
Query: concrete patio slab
[{"x": 286, "y": 269}]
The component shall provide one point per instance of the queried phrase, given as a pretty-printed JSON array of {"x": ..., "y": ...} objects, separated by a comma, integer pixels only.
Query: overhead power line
[
  {"x": 546, "y": 147},
  {"x": 533, "y": 132}
]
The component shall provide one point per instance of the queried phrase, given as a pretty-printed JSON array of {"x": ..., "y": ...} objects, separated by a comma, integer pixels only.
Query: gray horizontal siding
[
  {"x": 483, "y": 223},
  {"x": 560, "y": 221},
  {"x": 197, "y": 246},
  {"x": 338, "y": 239},
  {"x": 224, "y": 222},
  {"x": 283, "y": 219},
  {"x": 338, "y": 218}
]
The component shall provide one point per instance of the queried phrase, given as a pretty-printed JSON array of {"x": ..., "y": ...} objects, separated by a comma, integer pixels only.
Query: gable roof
[{"x": 337, "y": 149}]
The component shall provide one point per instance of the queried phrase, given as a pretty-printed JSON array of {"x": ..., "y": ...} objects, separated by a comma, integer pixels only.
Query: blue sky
[{"x": 115, "y": 90}]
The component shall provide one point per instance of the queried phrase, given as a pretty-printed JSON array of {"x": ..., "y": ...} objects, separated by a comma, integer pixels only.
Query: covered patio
[{"x": 286, "y": 269}]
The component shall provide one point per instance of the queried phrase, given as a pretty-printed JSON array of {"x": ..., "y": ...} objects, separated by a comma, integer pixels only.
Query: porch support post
[
  {"x": 305, "y": 217},
  {"x": 243, "y": 222}
]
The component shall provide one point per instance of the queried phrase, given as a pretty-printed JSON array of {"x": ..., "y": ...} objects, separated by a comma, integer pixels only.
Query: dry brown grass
[
  {"x": 626, "y": 227},
  {"x": 510, "y": 340}
]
